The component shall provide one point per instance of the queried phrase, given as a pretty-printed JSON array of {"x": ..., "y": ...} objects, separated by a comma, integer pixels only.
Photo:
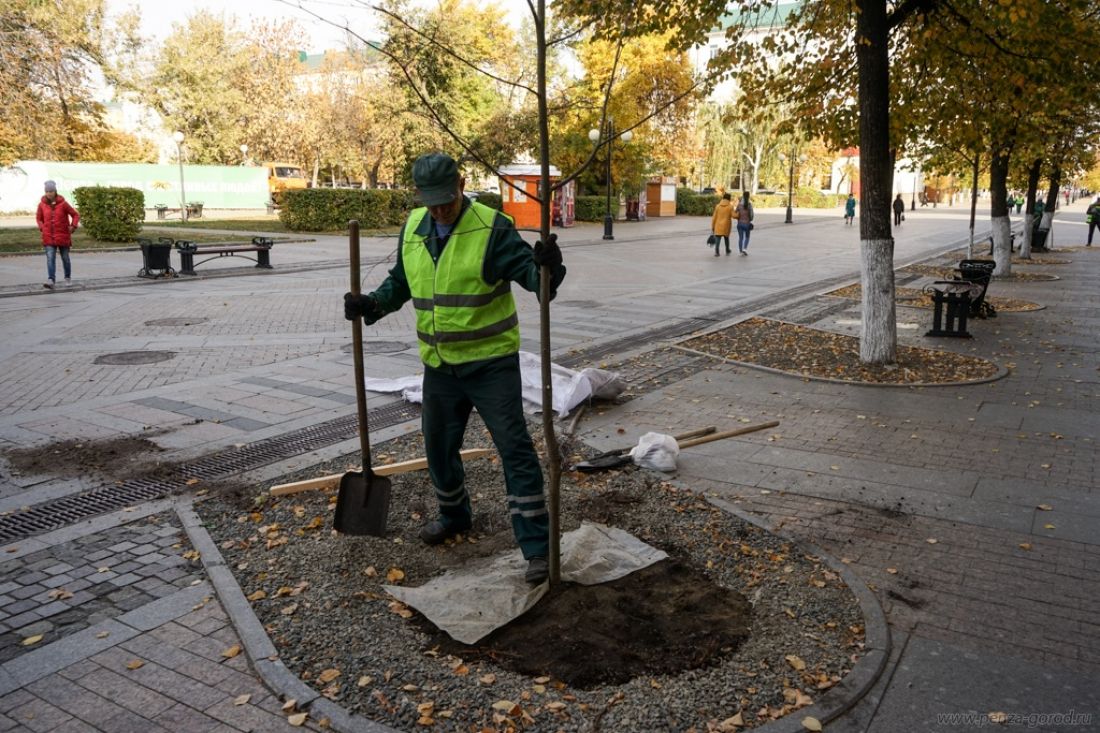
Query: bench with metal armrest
[{"x": 260, "y": 247}]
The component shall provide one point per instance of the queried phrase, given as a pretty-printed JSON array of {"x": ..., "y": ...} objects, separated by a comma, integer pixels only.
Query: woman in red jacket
[{"x": 57, "y": 221}]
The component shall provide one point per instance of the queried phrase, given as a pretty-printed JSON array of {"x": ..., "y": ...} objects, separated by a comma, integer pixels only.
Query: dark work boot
[
  {"x": 435, "y": 532},
  {"x": 538, "y": 570}
]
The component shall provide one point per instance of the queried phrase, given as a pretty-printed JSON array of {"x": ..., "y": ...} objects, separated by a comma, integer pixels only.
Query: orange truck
[{"x": 282, "y": 177}]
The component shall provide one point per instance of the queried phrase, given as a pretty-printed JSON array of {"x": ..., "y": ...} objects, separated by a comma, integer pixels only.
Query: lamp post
[
  {"x": 178, "y": 137},
  {"x": 594, "y": 136},
  {"x": 244, "y": 154},
  {"x": 790, "y": 183},
  {"x": 913, "y": 198}
]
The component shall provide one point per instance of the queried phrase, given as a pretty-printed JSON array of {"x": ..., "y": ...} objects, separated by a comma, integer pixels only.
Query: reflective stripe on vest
[{"x": 459, "y": 317}]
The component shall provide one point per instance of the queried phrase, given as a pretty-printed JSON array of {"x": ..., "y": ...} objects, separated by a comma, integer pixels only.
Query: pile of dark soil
[
  {"x": 663, "y": 619},
  {"x": 115, "y": 459},
  {"x": 914, "y": 298},
  {"x": 611, "y": 658},
  {"x": 811, "y": 352}
]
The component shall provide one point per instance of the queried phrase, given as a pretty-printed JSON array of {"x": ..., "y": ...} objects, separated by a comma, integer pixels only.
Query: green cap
[{"x": 436, "y": 179}]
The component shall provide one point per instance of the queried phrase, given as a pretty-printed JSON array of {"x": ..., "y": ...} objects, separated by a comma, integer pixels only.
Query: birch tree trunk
[
  {"x": 1051, "y": 203},
  {"x": 998, "y": 200},
  {"x": 1029, "y": 215},
  {"x": 878, "y": 338}
]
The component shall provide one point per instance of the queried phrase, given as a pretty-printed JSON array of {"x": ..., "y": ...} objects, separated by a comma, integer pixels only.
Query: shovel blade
[
  {"x": 362, "y": 505},
  {"x": 604, "y": 462}
]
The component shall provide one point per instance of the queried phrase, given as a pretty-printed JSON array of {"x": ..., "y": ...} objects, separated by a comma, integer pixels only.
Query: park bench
[
  {"x": 954, "y": 301},
  {"x": 260, "y": 247},
  {"x": 194, "y": 211}
]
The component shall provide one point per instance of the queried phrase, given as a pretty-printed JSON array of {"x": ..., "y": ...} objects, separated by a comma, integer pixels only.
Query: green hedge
[
  {"x": 695, "y": 204},
  {"x": 589, "y": 208},
  {"x": 492, "y": 200},
  {"x": 330, "y": 209},
  {"x": 110, "y": 214}
]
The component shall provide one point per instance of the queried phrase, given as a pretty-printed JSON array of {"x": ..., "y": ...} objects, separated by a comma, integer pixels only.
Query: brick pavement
[
  {"x": 971, "y": 511},
  {"x": 234, "y": 372}
]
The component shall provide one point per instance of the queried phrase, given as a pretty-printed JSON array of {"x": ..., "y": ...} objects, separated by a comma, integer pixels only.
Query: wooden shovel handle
[
  {"x": 357, "y": 348},
  {"x": 728, "y": 434}
]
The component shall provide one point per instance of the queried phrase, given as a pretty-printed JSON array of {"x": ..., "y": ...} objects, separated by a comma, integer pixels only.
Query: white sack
[
  {"x": 485, "y": 594},
  {"x": 657, "y": 451},
  {"x": 570, "y": 387}
]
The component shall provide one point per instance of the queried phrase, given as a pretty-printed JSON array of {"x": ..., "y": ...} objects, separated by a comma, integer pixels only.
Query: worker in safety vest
[{"x": 456, "y": 263}]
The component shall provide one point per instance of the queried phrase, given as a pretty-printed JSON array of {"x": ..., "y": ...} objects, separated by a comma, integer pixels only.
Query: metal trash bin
[
  {"x": 951, "y": 306},
  {"x": 156, "y": 258}
]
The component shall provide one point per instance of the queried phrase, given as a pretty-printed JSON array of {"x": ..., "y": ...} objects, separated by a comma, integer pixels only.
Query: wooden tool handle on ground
[
  {"x": 325, "y": 482},
  {"x": 727, "y": 434}
]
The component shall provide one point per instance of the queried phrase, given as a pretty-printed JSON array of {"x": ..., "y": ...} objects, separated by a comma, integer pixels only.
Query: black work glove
[
  {"x": 548, "y": 254},
  {"x": 361, "y": 306}
]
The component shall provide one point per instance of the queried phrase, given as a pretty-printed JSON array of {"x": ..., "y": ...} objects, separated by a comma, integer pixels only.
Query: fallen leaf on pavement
[
  {"x": 232, "y": 651},
  {"x": 328, "y": 675},
  {"x": 796, "y": 662},
  {"x": 32, "y": 640},
  {"x": 242, "y": 699},
  {"x": 299, "y": 719},
  {"x": 135, "y": 664},
  {"x": 811, "y": 723}
]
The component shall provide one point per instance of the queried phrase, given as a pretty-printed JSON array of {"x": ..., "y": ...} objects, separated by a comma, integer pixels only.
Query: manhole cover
[
  {"x": 130, "y": 358},
  {"x": 378, "y": 347},
  {"x": 176, "y": 322}
]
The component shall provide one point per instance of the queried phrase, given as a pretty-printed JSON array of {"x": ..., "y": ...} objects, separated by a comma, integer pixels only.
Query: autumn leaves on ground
[{"x": 736, "y": 620}]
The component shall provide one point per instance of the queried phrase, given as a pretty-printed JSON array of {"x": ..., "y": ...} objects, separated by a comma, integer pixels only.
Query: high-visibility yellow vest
[{"x": 459, "y": 317}]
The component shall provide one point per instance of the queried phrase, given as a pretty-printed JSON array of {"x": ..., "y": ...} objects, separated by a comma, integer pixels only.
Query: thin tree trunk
[
  {"x": 998, "y": 200},
  {"x": 550, "y": 439},
  {"x": 1029, "y": 215},
  {"x": 878, "y": 341}
]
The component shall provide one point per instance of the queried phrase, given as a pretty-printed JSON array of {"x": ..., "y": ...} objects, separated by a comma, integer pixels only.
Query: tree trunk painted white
[
  {"x": 878, "y": 335},
  {"x": 1025, "y": 245},
  {"x": 1002, "y": 246},
  {"x": 1048, "y": 218}
]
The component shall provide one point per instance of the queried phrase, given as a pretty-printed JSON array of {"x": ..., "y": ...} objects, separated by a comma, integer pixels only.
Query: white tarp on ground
[
  {"x": 471, "y": 602},
  {"x": 570, "y": 387}
]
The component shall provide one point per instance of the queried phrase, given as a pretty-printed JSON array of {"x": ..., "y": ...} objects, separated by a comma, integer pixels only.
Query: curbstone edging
[{"x": 857, "y": 683}]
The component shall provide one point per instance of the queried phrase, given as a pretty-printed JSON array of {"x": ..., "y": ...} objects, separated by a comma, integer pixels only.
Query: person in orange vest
[{"x": 57, "y": 221}]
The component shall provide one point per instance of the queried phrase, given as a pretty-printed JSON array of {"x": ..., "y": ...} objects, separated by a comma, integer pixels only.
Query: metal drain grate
[{"x": 69, "y": 509}]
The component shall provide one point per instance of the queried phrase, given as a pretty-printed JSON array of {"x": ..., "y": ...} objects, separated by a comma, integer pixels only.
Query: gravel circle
[{"x": 319, "y": 596}]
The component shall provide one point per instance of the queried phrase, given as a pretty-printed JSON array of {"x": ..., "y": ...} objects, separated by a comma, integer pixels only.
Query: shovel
[
  {"x": 621, "y": 456},
  {"x": 363, "y": 503}
]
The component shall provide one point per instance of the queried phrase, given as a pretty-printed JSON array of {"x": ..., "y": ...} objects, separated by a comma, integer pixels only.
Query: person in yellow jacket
[
  {"x": 456, "y": 262},
  {"x": 721, "y": 222}
]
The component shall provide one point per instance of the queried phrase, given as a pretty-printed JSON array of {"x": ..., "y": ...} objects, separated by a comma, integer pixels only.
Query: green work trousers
[{"x": 495, "y": 389}]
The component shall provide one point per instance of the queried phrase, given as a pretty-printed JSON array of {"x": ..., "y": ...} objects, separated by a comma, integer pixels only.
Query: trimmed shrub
[
  {"x": 110, "y": 214},
  {"x": 690, "y": 203},
  {"x": 492, "y": 200},
  {"x": 330, "y": 209},
  {"x": 589, "y": 208}
]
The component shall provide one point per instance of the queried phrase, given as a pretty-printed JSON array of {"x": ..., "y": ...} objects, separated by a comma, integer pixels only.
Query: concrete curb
[
  {"x": 857, "y": 683},
  {"x": 263, "y": 655},
  {"x": 257, "y": 645}
]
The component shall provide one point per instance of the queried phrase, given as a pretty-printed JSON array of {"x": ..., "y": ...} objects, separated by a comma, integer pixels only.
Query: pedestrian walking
[
  {"x": 721, "y": 222},
  {"x": 745, "y": 214},
  {"x": 456, "y": 261},
  {"x": 899, "y": 211},
  {"x": 850, "y": 210},
  {"x": 57, "y": 221},
  {"x": 1092, "y": 215}
]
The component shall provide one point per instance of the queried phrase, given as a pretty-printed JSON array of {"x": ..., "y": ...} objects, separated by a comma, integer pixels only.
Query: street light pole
[
  {"x": 178, "y": 137},
  {"x": 790, "y": 191},
  {"x": 913, "y": 198},
  {"x": 608, "y": 219},
  {"x": 594, "y": 136}
]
